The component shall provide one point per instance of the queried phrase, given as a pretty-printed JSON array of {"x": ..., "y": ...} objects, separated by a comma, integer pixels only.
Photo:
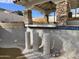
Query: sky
[
  {"x": 35, "y": 13},
  {"x": 7, "y": 1},
  {"x": 11, "y": 7}
]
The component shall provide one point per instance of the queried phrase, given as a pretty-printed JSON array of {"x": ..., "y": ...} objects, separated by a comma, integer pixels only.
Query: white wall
[{"x": 66, "y": 40}]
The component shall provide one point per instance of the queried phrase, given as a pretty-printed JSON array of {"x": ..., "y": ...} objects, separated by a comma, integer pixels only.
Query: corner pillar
[{"x": 62, "y": 11}]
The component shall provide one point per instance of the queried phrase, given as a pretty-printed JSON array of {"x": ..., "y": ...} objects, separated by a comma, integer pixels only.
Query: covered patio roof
[
  {"x": 46, "y": 7},
  {"x": 30, "y": 3}
]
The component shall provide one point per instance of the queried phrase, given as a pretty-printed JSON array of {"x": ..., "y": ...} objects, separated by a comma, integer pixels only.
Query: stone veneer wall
[{"x": 62, "y": 10}]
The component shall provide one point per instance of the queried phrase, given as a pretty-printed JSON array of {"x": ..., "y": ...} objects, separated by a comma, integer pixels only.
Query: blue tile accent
[
  {"x": 66, "y": 28},
  {"x": 58, "y": 27}
]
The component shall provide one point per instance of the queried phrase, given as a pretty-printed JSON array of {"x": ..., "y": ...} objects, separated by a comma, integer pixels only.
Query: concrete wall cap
[{"x": 12, "y": 25}]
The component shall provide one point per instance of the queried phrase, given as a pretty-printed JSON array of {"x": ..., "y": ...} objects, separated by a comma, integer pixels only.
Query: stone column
[
  {"x": 62, "y": 11},
  {"x": 46, "y": 48},
  {"x": 28, "y": 16}
]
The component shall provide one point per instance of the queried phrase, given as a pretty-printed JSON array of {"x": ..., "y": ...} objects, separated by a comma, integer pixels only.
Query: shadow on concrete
[
  {"x": 11, "y": 53},
  {"x": 11, "y": 37}
]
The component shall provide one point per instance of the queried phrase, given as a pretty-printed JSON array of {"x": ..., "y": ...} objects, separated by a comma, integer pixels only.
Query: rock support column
[
  {"x": 46, "y": 48},
  {"x": 62, "y": 11}
]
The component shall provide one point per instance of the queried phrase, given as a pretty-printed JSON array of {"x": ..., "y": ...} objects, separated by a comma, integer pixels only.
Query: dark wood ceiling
[{"x": 46, "y": 7}]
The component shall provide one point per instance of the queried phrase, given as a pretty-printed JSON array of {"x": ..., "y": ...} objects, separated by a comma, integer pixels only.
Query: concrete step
[{"x": 34, "y": 55}]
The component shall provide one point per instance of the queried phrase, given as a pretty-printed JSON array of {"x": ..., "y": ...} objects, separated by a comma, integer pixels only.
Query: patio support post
[
  {"x": 29, "y": 16},
  {"x": 75, "y": 12},
  {"x": 47, "y": 17},
  {"x": 54, "y": 17}
]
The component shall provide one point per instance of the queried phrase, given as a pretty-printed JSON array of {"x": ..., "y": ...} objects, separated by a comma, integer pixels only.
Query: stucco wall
[
  {"x": 64, "y": 40},
  {"x": 12, "y": 36}
]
